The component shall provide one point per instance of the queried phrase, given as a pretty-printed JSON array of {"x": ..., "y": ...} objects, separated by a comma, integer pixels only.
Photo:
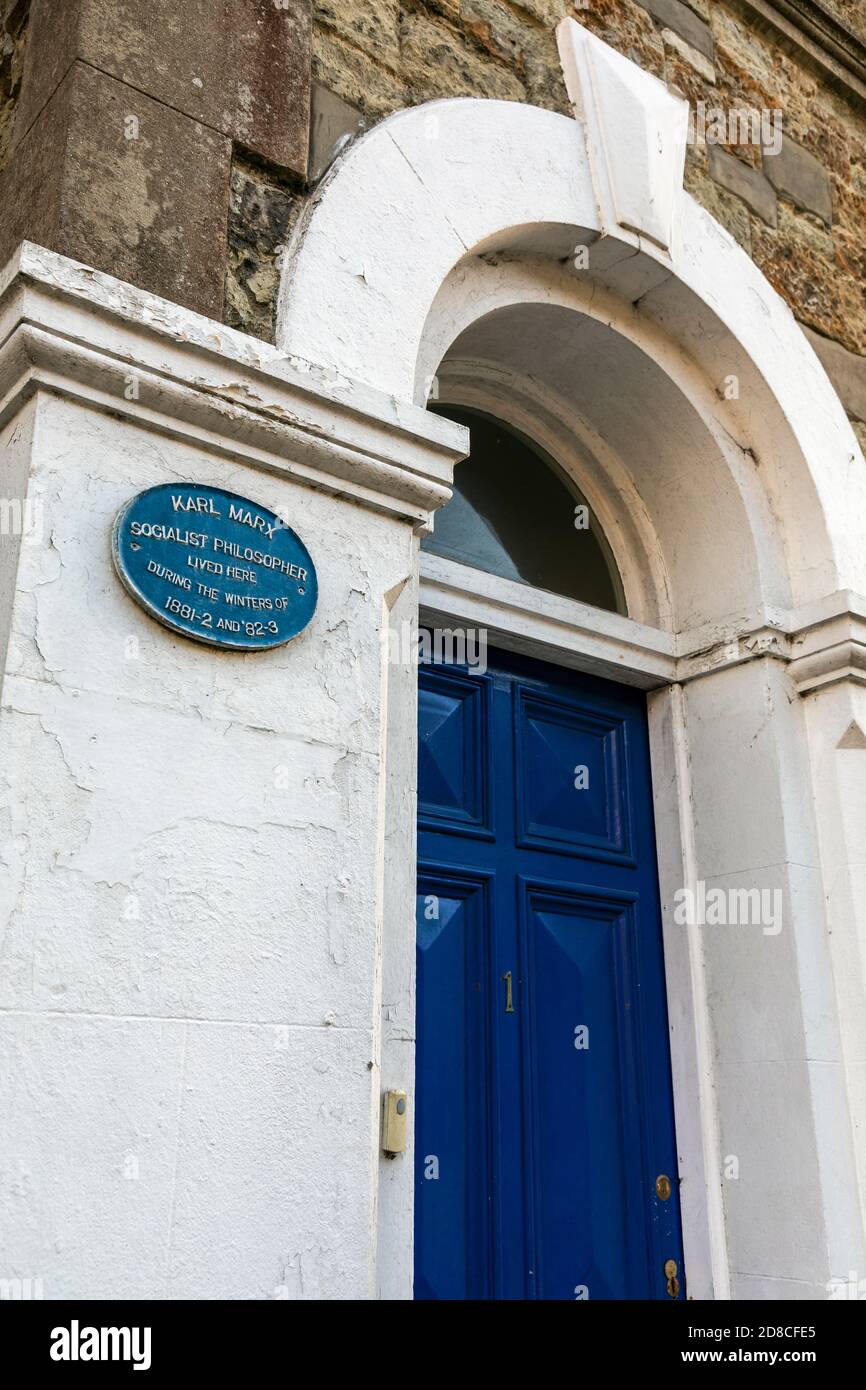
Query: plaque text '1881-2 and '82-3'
[{"x": 215, "y": 566}]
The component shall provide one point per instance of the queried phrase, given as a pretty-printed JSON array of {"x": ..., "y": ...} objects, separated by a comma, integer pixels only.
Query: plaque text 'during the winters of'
[{"x": 214, "y": 566}]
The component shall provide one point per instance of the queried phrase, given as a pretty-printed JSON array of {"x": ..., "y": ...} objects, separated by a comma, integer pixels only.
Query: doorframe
[{"x": 548, "y": 627}]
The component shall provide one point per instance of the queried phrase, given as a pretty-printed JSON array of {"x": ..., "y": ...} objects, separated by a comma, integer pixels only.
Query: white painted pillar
[
  {"x": 836, "y": 716},
  {"x": 194, "y": 957},
  {"x": 777, "y": 1029}
]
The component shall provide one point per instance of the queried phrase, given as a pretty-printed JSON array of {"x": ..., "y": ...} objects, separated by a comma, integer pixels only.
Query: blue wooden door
[{"x": 544, "y": 1113}]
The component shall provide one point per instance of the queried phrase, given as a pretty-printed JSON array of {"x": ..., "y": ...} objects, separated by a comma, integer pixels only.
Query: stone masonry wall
[
  {"x": 14, "y": 15},
  {"x": 800, "y": 214},
  {"x": 126, "y": 127},
  {"x": 168, "y": 145},
  {"x": 850, "y": 12}
]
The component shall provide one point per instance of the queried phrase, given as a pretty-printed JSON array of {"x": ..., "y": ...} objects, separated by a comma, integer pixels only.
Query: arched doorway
[{"x": 663, "y": 373}]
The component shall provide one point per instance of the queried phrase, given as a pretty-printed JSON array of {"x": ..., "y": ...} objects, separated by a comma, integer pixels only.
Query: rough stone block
[
  {"x": 747, "y": 183},
  {"x": 627, "y": 26},
  {"x": 846, "y": 370},
  {"x": 674, "y": 15},
  {"x": 731, "y": 212},
  {"x": 437, "y": 62},
  {"x": 238, "y": 66},
  {"x": 550, "y": 12},
  {"x": 333, "y": 123},
  {"x": 261, "y": 214},
  {"x": 30, "y": 184},
  {"x": 14, "y": 15},
  {"x": 494, "y": 28},
  {"x": 800, "y": 177},
  {"x": 125, "y": 184},
  {"x": 355, "y": 76},
  {"x": 372, "y": 25},
  {"x": 799, "y": 261},
  {"x": 695, "y": 59}
]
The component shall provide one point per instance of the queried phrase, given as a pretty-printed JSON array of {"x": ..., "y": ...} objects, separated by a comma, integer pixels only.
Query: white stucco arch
[
  {"x": 442, "y": 244},
  {"x": 446, "y": 212},
  {"x": 692, "y": 529}
]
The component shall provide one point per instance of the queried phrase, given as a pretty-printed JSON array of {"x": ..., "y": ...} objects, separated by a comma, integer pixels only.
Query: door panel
[
  {"x": 559, "y": 744},
  {"x": 580, "y": 1059},
  {"x": 543, "y": 1099},
  {"x": 452, "y": 1131},
  {"x": 453, "y": 744}
]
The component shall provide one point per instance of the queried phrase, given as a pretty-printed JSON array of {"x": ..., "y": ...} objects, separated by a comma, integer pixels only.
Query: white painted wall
[
  {"x": 189, "y": 965},
  {"x": 191, "y": 968}
]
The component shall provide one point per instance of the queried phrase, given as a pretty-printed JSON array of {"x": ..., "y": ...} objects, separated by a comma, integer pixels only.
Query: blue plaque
[{"x": 214, "y": 566}]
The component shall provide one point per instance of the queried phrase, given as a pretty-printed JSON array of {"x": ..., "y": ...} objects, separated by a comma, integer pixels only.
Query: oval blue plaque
[{"x": 214, "y": 566}]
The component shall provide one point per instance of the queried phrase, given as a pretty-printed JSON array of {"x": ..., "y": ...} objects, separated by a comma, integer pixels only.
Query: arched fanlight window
[{"x": 515, "y": 513}]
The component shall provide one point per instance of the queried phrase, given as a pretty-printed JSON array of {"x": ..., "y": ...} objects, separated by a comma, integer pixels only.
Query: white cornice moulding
[
  {"x": 829, "y": 644},
  {"x": 623, "y": 108},
  {"x": 821, "y": 645},
  {"x": 72, "y": 330},
  {"x": 544, "y": 625},
  {"x": 814, "y": 31}
]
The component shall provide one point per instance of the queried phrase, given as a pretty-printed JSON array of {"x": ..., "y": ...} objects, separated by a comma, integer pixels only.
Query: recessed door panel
[
  {"x": 453, "y": 748},
  {"x": 580, "y": 1070},
  {"x": 452, "y": 1140},
  {"x": 571, "y": 777}
]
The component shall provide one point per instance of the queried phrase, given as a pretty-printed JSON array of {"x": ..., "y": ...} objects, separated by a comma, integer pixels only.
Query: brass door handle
[{"x": 509, "y": 997}]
